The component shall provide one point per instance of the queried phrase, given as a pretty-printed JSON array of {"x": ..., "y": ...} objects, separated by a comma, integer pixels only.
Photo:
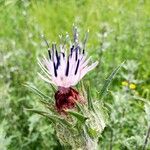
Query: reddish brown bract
[{"x": 66, "y": 100}]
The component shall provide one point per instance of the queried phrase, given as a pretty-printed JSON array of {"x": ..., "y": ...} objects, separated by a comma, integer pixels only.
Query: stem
[
  {"x": 146, "y": 139},
  {"x": 111, "y": 139}
]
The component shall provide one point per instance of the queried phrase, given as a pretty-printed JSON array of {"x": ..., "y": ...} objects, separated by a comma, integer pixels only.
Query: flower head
[
  {"x": 66, "y": 67},
  {"x": 132, "y": 86},
  {"x": 125, "y": 83}
]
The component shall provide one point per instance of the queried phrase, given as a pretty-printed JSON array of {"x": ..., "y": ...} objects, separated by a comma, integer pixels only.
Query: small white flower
[{"x": 66, "y": 70}]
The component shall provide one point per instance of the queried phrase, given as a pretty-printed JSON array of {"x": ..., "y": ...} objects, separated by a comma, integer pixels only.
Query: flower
[
  {"x": 132, "y": 86},
  {"x": 124, "y": 83},
  {"x": 65, "y": 68}
]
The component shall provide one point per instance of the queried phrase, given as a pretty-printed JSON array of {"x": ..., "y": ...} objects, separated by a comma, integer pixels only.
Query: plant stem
[
  {"x": 111, "y": 139},
  {"x": 146, "y": 139}
]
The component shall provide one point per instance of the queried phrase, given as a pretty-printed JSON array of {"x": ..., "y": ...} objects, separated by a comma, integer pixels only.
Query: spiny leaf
[
  {"x": 80, "y": 108},
  {"x": 108, "y": 81},
  {"x": 53, "y": 118},
  {"x": 60, "y": 120},
  {"x": 90, "y": 102},
  {"x": 78, "y": 116},
  {"x": 37, "y": 91},
  {"x": 47, "y": 105},
  {"x": 83, "y": 88},
  {"x": 53, "y": 88}
]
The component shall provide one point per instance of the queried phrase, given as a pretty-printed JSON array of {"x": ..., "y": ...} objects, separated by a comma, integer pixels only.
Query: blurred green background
[{"x": 119, "y": 31}]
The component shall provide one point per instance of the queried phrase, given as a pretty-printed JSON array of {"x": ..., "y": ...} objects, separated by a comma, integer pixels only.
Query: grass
[{"x": 119, "y": 31}]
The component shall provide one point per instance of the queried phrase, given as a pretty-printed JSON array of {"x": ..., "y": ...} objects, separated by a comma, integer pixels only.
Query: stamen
[
  {"x": 85, "y": 39},
  {"x": 75, "y": 34},
  {"x": 72, "y": 49},
  {"x": 56, "y": 51},
  {"x": 58, "y": 62},
  {"x": 63, "y": 54},
  {"x": 54, "y": 48},
  {"x": 77, "y": 67},
  {"x": 67, "y": 68},
  {"x": 79, "y": 48},
  {"x": 43, "y": 37},
  {"x": 83, "y": 52},
  {"x": 76, "y": 54},
  {"x": 55, "y": 70},
  {"x": 49, "y": 53}
]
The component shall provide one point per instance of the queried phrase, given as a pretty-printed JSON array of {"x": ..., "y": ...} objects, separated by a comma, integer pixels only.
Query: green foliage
[
  {"x": 147, "y": 111},
  {"x": 118, "y": 31},
  {"x": 108, "y": 81},
  {"x": 127, "y": 126},
  {"x": 4, "y": 141},
  {"x": 82, "y": 125}
]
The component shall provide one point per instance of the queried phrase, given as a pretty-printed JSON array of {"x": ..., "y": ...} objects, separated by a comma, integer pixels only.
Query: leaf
[
  {"x": 108, "y": 81},
  {"x": 83, "y": 88},
  {"x": 53, "y": 88},
  {"x": 5, "y": 140},
  {"x": 78, "y": 116},
  {"x": 47, "y": 105},
  {"x": 53, "y": 118},
  {"x": 80, "y": 108},
  {"x": 90, "y": 102},
  {"x": 37, "y": 91}
]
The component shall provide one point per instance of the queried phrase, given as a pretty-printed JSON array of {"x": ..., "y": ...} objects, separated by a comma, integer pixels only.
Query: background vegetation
[{"x": 119, "y": 31}]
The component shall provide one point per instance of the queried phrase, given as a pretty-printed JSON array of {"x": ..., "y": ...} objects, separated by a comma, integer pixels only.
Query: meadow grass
[{"x": 118, "y": 31}]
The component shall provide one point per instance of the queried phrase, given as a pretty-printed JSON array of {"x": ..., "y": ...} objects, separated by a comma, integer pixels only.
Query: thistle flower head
[{"x": 65, "y": 68}]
